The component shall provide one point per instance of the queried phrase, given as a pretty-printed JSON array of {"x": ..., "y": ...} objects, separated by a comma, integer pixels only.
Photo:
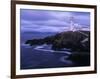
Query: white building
[{"x": 76, "y": 26}]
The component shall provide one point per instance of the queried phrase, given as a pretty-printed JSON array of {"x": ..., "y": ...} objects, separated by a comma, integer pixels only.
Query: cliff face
[{"x": 70, "y": 40}]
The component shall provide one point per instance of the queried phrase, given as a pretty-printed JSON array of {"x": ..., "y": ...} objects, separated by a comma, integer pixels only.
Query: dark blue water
[
  {"x": 31, "y": 58},
  {"x": 35, "y": 59}
]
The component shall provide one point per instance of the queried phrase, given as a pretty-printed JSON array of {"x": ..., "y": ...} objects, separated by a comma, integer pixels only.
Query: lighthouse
[{"x": 72, "y": 27}]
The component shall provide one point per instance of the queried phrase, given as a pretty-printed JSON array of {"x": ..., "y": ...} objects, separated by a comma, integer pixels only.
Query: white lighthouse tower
[{"x": 72, "y": 27}]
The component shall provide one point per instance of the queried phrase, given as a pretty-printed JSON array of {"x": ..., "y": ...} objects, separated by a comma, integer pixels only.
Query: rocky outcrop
[{"x": 75, "y": 41}]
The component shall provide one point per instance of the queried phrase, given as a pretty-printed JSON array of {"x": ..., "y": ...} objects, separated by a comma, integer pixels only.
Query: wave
[
  {"x": 65, "y": 60},
  {"x": 25, "y": 45},
  {"x": 47, "y": 48}
]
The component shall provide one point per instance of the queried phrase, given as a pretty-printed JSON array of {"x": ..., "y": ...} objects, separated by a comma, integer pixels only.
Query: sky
[{"x": 50, "y": 21}]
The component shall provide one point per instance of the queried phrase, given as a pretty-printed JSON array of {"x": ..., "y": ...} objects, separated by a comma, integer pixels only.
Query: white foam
[{"x": 50, "y": 50}]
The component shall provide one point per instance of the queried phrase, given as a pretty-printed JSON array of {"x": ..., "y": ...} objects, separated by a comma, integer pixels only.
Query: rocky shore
[{"x": 75, "y": 41}]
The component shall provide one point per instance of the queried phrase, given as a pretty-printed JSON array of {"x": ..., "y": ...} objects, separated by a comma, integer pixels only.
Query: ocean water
[{"x": 32, "y": 58}]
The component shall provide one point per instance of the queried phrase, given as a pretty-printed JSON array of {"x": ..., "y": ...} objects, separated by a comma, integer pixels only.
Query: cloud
[
  {"x": 37, "y": 28},
  {"x": 46, "y": 26},
  {"x": 50, "y": 21},
  {"x": 61, "y": 15},
  {"x": 31, "y": 15},
  {"x": 55, "y": 23}
]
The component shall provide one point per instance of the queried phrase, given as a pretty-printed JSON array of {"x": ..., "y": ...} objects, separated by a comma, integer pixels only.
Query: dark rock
[{"x": 70, "y": 40}]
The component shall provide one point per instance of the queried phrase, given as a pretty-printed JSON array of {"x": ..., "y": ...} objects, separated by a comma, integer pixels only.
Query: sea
[{"x": 38, "y": 57}]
